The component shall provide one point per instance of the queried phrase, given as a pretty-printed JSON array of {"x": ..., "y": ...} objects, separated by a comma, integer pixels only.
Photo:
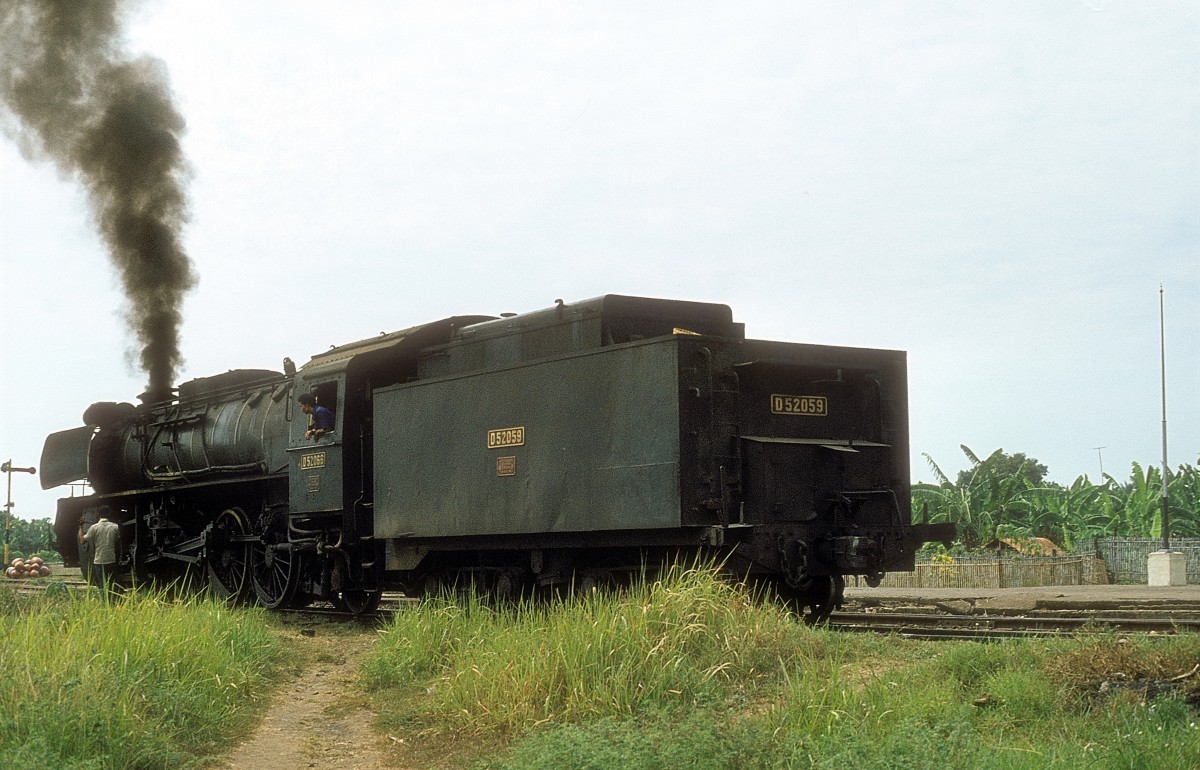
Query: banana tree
[
  {"x": 947, "y": 501},
  {"x": 1139, "y": 503},
  {"x": 1071, "y": 514},
  {"x": 983, "y": 503},
  {"x": 999, "y": 496}
]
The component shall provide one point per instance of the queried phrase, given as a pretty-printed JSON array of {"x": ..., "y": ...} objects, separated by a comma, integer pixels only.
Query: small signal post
[{"x": 8, "y": 469}]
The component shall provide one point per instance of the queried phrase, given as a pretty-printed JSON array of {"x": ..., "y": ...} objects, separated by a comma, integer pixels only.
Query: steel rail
[{"x": 1000, "y": 626}]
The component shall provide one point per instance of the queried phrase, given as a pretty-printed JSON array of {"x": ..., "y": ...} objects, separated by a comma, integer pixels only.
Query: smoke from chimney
[{"x": 71, "y": 94}]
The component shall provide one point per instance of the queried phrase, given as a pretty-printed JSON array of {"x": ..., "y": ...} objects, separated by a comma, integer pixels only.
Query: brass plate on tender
[
  {"x": 806, "y": 406},
  {"x": 310, "y": 461},
  {"x": 314, "y": 484},
  {"x": 506, "y": 437},
  {"x": 506, "y": 466}
]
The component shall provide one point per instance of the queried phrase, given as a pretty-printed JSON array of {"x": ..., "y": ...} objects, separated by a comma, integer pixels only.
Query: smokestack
[{"x": 70, "y": 93}]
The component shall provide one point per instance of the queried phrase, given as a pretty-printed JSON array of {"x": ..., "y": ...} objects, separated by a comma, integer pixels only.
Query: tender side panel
[{"x": 578, "y": 443}]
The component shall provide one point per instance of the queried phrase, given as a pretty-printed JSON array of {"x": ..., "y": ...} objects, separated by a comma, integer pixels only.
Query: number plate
[
  {"x": 506, "y": 437},
  {"x": 806, "y": 406},
  {"x": 314, "y": 460}
]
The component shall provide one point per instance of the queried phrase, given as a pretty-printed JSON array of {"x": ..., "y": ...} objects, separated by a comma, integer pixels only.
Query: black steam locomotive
[{"x": 568, "y": 446}]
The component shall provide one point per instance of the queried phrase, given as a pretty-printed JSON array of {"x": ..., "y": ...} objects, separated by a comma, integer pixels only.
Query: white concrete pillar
[{"x": 1167, "y": 568}]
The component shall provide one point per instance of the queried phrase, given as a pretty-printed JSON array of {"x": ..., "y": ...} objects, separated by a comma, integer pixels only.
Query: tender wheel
[
  {"x": 434, "y": 584},
  {"x": 824, "y": 597},
  {"x": 821, "y": 595},
  {"x": 358, "y": 602},
  {"x": 275, "y": 572},
  {"x": 443, "y": 583},
  {"x": 228, "y": 561},
  {"x": 591, "y": 581},
  {"x": 510, "y": 586}
]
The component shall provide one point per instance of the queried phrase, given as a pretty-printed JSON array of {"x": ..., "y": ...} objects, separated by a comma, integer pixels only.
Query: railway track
[
  {"x": 32, "y": 587},
  {"x": 925, "y": 625},
  {"x": 917, "y": 625}
]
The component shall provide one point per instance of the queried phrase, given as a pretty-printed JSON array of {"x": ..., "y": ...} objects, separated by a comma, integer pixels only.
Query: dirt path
[{"x": 320, "y": 719}]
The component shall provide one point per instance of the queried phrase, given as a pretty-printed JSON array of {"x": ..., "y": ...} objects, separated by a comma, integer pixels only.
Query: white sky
[{"x": 997, "y": 188}]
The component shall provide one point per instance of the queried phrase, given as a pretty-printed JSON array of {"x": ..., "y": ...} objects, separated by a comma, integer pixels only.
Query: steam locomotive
[{"x": 570, "y": 446}]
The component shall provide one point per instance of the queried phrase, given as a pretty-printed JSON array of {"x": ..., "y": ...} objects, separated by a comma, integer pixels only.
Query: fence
[
  {"x": 1102, "y": 560},
  {"x": 1126, "y": 556},
  {"x": 1006, "y": 572}
]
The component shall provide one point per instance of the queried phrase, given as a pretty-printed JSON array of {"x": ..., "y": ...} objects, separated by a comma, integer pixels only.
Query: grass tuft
[
  {"x": 692, "y": 672},
  {"x": 681, "y": 642},
  {"x": 144, "y": 682}
]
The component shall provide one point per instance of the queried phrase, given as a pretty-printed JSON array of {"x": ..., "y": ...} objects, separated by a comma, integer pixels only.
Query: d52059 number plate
[
  {"x": 807, "y": 406},
  {"x": 506, "y": 437}
]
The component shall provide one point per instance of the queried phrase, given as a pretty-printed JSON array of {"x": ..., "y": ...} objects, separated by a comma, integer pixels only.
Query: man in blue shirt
[{"x": 320, "y": 418}]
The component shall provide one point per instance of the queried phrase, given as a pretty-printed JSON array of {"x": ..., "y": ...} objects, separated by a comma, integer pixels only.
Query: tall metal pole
[{"x": 1162, "y": 337}]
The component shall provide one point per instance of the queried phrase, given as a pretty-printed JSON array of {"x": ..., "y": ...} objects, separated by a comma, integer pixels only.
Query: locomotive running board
[
  {"x": 942, "y": 532},
  {"x": 836, "y": 444}
]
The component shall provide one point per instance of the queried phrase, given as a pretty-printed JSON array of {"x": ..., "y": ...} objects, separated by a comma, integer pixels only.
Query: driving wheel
[
  {"x": 275, "y": 572},
  {"x": 228, "y": 562}
]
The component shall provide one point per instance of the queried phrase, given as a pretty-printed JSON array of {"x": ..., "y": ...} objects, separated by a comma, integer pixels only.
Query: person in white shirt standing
[{"x": 103, "y": 536}]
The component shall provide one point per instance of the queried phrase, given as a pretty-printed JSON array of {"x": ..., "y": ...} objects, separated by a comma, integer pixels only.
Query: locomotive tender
[{"x": 571, "y": 445}]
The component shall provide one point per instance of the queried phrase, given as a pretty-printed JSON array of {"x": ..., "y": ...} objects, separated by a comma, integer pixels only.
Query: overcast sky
[{"x": 997, "y": 188}]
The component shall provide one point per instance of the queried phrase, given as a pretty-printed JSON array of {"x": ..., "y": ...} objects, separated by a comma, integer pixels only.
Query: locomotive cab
[{"x": 317, "y": 461}]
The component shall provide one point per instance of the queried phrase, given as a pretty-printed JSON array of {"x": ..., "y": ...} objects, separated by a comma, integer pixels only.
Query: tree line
[
  {"x": 1008, "y": 496},
  {"x": 29, "y": 538}
]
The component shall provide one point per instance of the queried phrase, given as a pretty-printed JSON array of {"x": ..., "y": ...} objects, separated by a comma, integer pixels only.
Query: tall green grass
[
  {"x": 144, "y": 682},
  {"x": 686, "y": 641},
  {"x": 691, "y": 672}
]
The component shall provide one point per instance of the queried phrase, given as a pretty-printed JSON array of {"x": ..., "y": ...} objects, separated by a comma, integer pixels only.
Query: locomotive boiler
[{"x": 576, "y": 445}]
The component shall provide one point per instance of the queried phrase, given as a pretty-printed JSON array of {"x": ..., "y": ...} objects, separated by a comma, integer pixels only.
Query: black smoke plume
[{"x": 70, "y": 93}]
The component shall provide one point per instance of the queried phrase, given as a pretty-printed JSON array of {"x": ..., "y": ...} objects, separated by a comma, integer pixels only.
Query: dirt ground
[{"x": 320, "y": 719}]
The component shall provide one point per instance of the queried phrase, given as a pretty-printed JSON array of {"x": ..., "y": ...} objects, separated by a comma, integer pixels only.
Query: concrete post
[{"x": 1167, "y": 568}]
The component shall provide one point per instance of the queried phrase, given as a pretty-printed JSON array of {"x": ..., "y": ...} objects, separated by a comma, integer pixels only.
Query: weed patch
[
  {"x": 693, "y": 673},
  {"x": 675, "y": 644},
  {"x": 144, "y": 682}
]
